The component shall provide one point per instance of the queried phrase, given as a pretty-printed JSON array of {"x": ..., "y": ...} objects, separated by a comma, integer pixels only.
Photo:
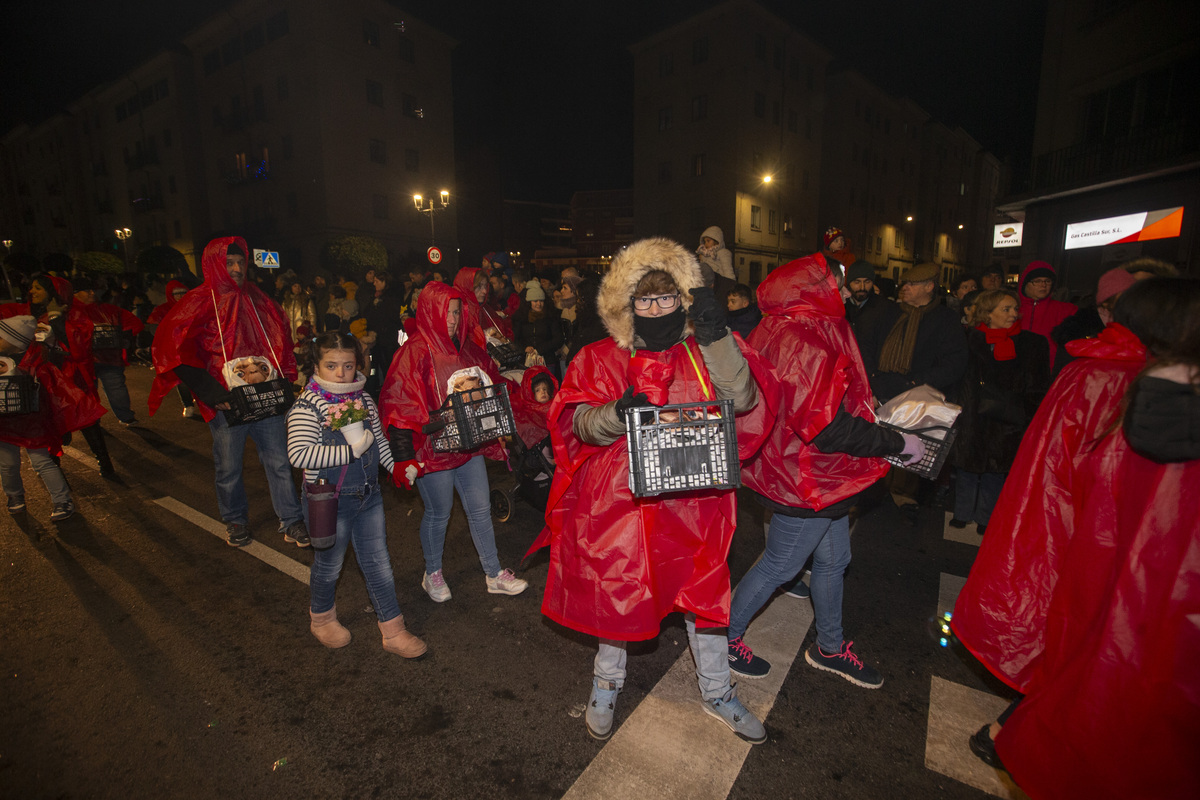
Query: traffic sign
[
  {"x": 267, "y": 259},
  {"x": 434, "y": 255}
]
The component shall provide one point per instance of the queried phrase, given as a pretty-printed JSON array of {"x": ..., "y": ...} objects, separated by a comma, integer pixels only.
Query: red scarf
[{"x": 1003, "y": 348}]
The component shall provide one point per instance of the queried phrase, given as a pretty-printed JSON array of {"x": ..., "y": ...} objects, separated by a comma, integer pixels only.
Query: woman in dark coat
[
  {"x": 382, "y": 313},
  {"x": 537, "y": 327},
  {"x": 1008, "y": 374}
]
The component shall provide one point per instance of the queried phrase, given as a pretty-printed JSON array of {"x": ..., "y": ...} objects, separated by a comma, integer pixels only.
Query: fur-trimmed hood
[{"x": 628, "y": 268}]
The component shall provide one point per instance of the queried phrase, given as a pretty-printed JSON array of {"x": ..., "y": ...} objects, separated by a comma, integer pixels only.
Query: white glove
[
  {"x": 413, "y": 471},
  {"x": 360, "y": 447},
  {"x": 914, "y": 448}
]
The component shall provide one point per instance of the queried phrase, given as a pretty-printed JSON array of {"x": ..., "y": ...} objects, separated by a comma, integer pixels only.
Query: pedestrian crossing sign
[{"x": 266, "y": 259}]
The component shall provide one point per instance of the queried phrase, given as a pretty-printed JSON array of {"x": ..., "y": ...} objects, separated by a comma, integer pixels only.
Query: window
[
  {"x": 412, "y": 159},
  {"x": 253, "y": 39},
  {"x": 664, "y": 172},
  {"x": 374, "y": 93},
  {"x": 408, "y": 52},
  {"x": 166, "y": 137},
  {"x": 808, "y": 129},
  {"x": 698, "y": 165},
  {"x": 378, "y": 151},
  {"x": 370, "y": 32},
  {"x": 778, "y": 62},
  {"x": 277, "y": 25},
  {"x": 787, "y": 225},
  {"x": 281, "y": 87},
  {"x": 760, "y": 47},
  {"x": 794, "y": 70},
  {"x": 379, "y": 206},
  {"x": 666, "y": 65},
  {"x": 212, "y": 62},
  {"x": 410, "y": 107},
  {"x": 260, "y": 103},
  {"x": 760, "y": 105},
  {"x": 699, "y": 107},
  {"x": 217, "y": 121},
  {"x": 171, "y": 186},
  {"x": 774, "y": 112},
  {"x": 664, "y": 118},
  {"x": 286, "y": 148},
  {"x": 878, "y": 244},
  {"x": 809, "y": 78},
  {"x": 231, "y": 51},
  {"x": 804, "y": 180},
  {"x": 755, "y": 218},
  {"x": 772, "y": 222},
  {"x": 793, "y": 120},
  {"x": 700, "y": 50}
]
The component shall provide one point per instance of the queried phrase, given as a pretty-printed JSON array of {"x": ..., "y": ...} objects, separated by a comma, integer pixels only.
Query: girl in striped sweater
[{"x": 323, "y": 452}]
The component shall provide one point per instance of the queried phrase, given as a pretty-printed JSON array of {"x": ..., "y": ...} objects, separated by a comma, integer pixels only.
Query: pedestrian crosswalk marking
[
  {"x": 955, "y": 713},
  {"x": 668, "y": 747},
  {"x": 967, "y": 535},
  {"x": 948, "y": 588},
  {"x": 268, "y": 556}
]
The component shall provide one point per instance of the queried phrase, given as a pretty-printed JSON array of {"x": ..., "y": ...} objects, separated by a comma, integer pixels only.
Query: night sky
[{"x": 518, "y": 72}]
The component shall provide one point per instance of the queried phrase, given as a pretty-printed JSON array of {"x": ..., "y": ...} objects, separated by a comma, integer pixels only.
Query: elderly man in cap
[
  {"x": 860, "y": 282},
  {"x": 916, "y": 341}
]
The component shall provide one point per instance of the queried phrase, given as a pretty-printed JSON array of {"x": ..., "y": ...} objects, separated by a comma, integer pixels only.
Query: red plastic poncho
[
  {"x": 416, "y": 382},
  {"x": 464, "y": 281},
  {"x": 40, "y": 430},
  {"x": 806, "y": 336},
  {"x": 1085, "y": 595},
  {"x": 160, "y": 311},
  {"x": 219, "y": 312},
  {"x": 108, "y": 314},
  {"x": 618, "y": 565},
  {"x": 530, "y": 416}
]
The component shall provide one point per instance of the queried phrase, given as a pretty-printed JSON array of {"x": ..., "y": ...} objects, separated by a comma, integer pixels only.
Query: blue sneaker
[
  {"x": 599, "y": 715},
  {"x": 740, "y": 720}
]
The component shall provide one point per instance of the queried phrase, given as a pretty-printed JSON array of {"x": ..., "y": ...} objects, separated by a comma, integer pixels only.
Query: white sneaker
[
  {"x": 189, "y": 412},
  {"x": 506, "y": 583},
  {"x": 435, "y": 586}
]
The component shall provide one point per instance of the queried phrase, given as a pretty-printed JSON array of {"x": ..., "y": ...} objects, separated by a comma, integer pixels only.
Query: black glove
[
  {"x": 707, "y": 316},
  {"x": 630, "y": 400},
  {"x": 436, "y": 426}
]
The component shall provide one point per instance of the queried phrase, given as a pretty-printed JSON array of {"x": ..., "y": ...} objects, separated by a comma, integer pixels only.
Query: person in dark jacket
[
  {"x": 1090, "y": 320},
  {"x": 382, "y": 312},
  {"x": 1008, "y": 374},
  {"x": 588, "y": 326},
  {"x": 537, "y": 327},
  {"x": 914, "y": 342},
  {"x": 860, "y": 281},
  {"x": 743, "y": 312}
]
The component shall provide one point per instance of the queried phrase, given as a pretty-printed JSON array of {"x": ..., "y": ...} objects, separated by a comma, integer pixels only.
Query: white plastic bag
[{"x": 921, "y": 407}]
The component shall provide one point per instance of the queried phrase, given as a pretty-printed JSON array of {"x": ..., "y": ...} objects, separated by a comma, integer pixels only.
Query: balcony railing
[{"x": 1096, "y": 161}]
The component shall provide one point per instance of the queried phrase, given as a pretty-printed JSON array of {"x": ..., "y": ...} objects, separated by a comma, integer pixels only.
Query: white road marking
[
  {"x": 967, "y": 535},
  {"x": 956, "y": 712},
  {"x": 669, "y": 747},
  {"x": 265, "y": 554},
  {"x": 948, "y": 588}
]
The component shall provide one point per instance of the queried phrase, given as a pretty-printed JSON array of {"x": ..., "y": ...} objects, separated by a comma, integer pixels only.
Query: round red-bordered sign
[{"x": 434, "y": 255}]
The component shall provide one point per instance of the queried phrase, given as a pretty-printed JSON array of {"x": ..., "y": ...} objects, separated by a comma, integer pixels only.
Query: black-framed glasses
[{"x": 665, "y": 301}]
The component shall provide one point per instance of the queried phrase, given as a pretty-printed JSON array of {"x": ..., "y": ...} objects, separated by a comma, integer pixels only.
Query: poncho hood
[
  {"x": 801, "y": 287},
  {"x": 628, "y": 268}
]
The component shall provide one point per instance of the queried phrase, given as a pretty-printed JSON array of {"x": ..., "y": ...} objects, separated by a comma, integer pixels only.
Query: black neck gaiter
[{"x": 661, "y": 333}]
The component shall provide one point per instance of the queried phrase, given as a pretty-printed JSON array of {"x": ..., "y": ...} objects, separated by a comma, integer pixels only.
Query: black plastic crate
[
  {"x": 258, "y": 401},
  {"x": 107, "y": 337},
  {"x": 936, "y": 450},
  {"x": 18, "y": 394},
  {"x": 474, "y": 417},
  {"x": 694, "y": 448},
  {"x": 508, "y": 355}
]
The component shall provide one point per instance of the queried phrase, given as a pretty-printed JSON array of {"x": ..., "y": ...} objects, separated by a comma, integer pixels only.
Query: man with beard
[{"x": 860, "y": 280}]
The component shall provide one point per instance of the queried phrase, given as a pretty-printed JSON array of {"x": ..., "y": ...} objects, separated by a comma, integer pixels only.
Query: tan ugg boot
[
  {"x": 327, "y": 629},
  {"x": 399, "y": 641}
]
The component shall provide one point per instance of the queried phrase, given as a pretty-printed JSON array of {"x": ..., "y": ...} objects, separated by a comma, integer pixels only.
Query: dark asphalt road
[{"x": 143, "y": 657}]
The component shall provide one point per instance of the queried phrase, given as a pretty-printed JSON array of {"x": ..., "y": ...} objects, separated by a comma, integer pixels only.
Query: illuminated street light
[
  {"x": 960, "y": 227},
  {"x": 908, "y": 219},
  {"x": 430, "y": 207},
  {"x": 766, "y": 178},
  {"x": 123, "y": 234}
]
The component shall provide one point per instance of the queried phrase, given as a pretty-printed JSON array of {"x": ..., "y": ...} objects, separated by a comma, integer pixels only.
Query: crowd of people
[{"x": 1076, "y": 452}]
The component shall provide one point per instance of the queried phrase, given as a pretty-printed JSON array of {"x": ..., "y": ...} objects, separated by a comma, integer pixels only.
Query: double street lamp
[
  {"x": 123, "y": 234},
  {"x": 430, "y": 207}
]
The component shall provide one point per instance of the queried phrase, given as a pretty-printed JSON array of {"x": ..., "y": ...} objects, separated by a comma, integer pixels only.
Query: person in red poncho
[
  {"x": 175, "y": 292},
  {"x": 222, "y": 334},
  {"x": 1085, "y": 595},
  {"x": 444, "y": 346},
  {"x": 1041, "y": 313},
  {"x": 620, "y": 564},
  {"x": 823, "y": 451},
  {"x": 51, "y": 302},
  {"x": 475, "y": 284},
  {"x": 109, "y": 361},
  {"x": 36, "y": 430}
]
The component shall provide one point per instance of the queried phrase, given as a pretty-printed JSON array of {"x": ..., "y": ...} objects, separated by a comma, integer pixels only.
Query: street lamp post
[
  {"x": 123, "y": 234},
  {"x": 431, "y": 207}
]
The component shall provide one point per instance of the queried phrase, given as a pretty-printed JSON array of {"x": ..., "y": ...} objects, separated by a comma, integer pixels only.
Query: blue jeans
[
  {"x": 43, "y": 465},
  {"x": 790, "y": 541},
  {"x": 975, "y": 495},
  {"x": 112, "y": 378},
  {"x": 229, "y": 448},
  {"x": 437, "y": 492},
  {"x": 360, "y": 520}
]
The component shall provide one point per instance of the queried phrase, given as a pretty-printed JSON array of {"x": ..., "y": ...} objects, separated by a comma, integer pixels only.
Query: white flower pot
[{"x": 352, "y": 431}]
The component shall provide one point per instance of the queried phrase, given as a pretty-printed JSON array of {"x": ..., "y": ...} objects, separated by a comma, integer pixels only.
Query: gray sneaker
[
  {"x": 730, "y": 710},
  {"x": 599, "y": 715}
]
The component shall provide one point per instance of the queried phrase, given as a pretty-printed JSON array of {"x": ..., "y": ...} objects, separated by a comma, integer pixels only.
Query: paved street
[{"x": 144, "y": 657}]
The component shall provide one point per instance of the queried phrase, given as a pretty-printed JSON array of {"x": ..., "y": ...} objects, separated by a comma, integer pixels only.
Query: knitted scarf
[
  {"x": 337, "y": 392},
  {"x": 897, "y": 352},
  {"x": 1001, "y": 341}
]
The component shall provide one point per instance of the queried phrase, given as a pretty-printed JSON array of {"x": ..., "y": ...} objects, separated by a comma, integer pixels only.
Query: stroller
[{"x": 533, "y": 469}]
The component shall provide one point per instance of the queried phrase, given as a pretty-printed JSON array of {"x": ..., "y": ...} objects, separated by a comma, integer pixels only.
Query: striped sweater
[{"x": 304, "y": 437}]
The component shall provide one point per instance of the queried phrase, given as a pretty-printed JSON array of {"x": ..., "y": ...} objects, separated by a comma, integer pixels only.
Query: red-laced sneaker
[
  {"x": 846, "y": 664},
  {"x": 743, "y": 661}
]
